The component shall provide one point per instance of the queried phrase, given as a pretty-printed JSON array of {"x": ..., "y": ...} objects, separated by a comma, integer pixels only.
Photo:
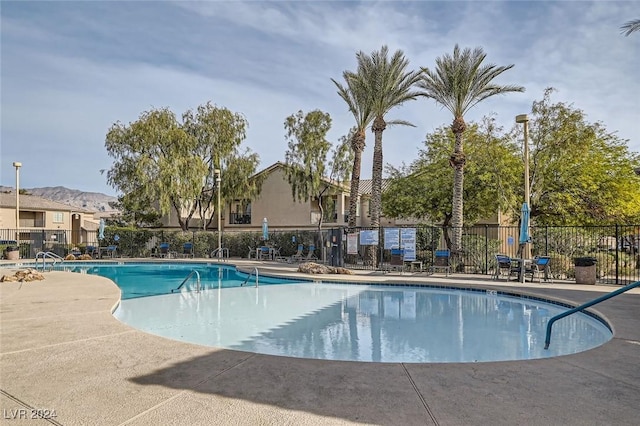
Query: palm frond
[
  {"x": 462, "y": 80},
  {"x": 630, "y": 27}
]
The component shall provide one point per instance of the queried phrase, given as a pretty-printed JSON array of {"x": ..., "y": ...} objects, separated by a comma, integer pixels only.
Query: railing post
[{"x": 617, "y": 254}]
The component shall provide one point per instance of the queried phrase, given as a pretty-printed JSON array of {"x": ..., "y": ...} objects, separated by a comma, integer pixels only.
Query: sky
[{"x": 70, "y": 70}]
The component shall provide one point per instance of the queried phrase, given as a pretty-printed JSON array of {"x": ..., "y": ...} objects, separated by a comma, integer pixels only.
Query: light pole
[
  {"x": 17, "y": 165},
  {"x": 218, "y": 181},
  {"x": 524, "y": 119}
]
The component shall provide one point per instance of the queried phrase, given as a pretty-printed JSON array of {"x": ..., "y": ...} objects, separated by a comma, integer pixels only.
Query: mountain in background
[{"x": 93, "y": 201}]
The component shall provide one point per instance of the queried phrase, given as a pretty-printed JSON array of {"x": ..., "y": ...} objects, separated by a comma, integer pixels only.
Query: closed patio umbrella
[
  {"x": 101, "y": 230},
  {"x": 524, "y": 224},
  {"x": 265, "y": 229}
]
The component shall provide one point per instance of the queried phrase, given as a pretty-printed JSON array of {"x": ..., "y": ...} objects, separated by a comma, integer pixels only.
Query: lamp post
[
  {"x": 524, "y": 119},
  {"x": 17, "y": 165},
  {"x": 218, "y": 181}
]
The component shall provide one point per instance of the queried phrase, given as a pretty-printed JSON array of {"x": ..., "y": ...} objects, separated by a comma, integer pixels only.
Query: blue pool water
[
  {"x": 343, "y": 321},
  {"x": 139, "y": 279}
]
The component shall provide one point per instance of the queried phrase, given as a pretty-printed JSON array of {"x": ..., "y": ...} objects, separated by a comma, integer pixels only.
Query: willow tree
[
  {"x": 387, "y": 84},
  {"x": 219, "y": 133},
  {"x": 161, "y": 160},
  {"x": 313, "y": 170},
  {"x": 458, "y": 83},
  {"x": 354, "y": 93}
]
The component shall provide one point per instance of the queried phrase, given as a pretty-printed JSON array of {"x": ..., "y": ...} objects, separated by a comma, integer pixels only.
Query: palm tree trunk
[
  {"x": 457, "y": 161},
  {"x": 357, "y": 144},
  {"x": 379, "y": 125}
]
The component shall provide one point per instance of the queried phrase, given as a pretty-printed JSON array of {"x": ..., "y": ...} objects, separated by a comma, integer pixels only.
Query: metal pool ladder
[
  {"x": 197, "y": 274},
  {"x": 547, "y": 340},
  {"x": 44, "y": 255},
  {"x": 255, "y": 272}
]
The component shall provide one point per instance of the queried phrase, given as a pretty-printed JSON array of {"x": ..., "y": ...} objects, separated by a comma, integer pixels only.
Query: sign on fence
[
  {"x": 391, "y": 238},
  {"x": 352, "y": 243},
  {"x": 408, "y": 243},
  {"x": 369, "y": 238}
]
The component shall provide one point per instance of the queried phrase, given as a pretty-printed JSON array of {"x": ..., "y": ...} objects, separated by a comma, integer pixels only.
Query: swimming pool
[
  {"x": 141, "y": 279},
  {"x": 348, "y": 322}
]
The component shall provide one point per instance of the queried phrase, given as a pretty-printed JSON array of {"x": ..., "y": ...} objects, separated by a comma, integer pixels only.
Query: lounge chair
[
  {"x": 187, "y": 249},
  {"x": 297, "y": 256},
  {"x": 441, "y": 261},
  {"x": 311, "y": 254}
]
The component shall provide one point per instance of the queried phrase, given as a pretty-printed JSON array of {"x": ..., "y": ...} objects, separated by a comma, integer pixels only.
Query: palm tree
[
  {"x": 458, "y": 83},
  {"x": 354, "y": 95},
  {"x": 630, "y": 27},
  {"x": 388, "y": 85}
]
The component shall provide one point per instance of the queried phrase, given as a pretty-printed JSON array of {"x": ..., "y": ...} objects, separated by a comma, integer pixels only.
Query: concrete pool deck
[{"x": 61, "y": 349}]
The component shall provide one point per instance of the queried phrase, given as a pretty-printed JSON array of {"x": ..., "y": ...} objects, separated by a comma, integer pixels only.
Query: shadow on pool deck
[{"x": 61, "y": 349}]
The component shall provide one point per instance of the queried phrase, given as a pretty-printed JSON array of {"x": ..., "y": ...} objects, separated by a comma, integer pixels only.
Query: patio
[{"x": 62, "y": 350}]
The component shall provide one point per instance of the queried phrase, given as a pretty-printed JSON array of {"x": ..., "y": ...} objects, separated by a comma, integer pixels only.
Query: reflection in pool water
[{"x": 365, "y": 323}]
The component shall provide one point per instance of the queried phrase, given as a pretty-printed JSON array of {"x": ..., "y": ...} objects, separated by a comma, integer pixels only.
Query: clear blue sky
[{"x": 72, "y": 69}]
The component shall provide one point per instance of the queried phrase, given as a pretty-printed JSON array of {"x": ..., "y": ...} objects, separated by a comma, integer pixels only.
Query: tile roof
[
  {"x": 366, "y": 186},
  {"x": 32, "y": 202}
]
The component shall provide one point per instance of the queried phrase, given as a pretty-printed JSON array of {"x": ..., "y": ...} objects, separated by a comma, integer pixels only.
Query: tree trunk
[
  {"x": 357, "y": 145},
  {"x": 457, "y": 161},
  {"x": 379, "y": 125}
]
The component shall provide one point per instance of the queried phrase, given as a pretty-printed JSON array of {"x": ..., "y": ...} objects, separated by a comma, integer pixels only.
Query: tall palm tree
[
  {"x": 458, "y": 83},
  {"x": 388, "y": 84},
  {"x": 630, "y": 27},
  {"x": 355, "y": 95}
]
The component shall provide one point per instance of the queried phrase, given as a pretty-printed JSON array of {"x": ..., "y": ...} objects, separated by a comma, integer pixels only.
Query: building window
[{"x": 58, "y": 217}]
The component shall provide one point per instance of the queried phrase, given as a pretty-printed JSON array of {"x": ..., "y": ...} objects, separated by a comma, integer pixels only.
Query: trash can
[{"x": 585, "y": 270}]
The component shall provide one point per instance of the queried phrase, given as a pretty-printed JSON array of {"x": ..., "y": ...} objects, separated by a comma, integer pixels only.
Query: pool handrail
[
  {"x": 607, "y": 296},
  {"x": 46, "y": 254},
  {"x": 255, "y": 270},
  {"x": 187, "y": 279}
]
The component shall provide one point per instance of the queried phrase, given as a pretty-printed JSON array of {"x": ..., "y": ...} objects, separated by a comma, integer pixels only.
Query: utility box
[{"x": 585, "y": 268}]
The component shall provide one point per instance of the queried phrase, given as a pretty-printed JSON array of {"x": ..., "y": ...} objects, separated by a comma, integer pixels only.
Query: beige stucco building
[{"x": 37, "y": 214}]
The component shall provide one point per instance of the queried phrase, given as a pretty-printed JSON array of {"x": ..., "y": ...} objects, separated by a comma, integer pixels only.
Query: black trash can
[{"x": 585, "y": 270}]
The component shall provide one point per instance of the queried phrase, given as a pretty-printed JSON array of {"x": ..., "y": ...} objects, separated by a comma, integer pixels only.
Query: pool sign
[
  {"x": 408, "y": 243},
  {"x": 391, "y": 238},
  {"x": 369, "y": 238},
  {"x": 352, "y": 243}
]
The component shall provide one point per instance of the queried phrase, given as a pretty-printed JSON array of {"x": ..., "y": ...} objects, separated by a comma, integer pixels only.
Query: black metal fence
[{"x": 615, "y": 247}]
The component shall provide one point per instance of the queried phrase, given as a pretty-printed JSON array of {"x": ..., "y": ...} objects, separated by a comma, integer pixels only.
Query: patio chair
[
  {"x": 397, "y": 259},
  {"x": 187, "y": 249},
  {"x": 264, "y": 253},
  {"x": 112, "y": 250},
  {"x": 503, "y": 264},
  {"x": 311, "y": 254},
  {"x": 441, "y": 261},
  {"x": 540, "y": 267},
  {"x": 91, "y": 251},
  {"x": 163, "y": 250},
  {"x": 297, "y": 256}
]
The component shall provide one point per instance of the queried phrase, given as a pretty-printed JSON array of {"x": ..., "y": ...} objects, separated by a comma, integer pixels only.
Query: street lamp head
[
  {"x": 17, "y": 164},
  {"x": 522, "y": 118},
  {"x": 216, "y": 172}
]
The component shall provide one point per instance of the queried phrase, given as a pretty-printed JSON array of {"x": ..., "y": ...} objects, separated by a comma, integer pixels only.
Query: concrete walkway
[{"x": 63, "y": 351}]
